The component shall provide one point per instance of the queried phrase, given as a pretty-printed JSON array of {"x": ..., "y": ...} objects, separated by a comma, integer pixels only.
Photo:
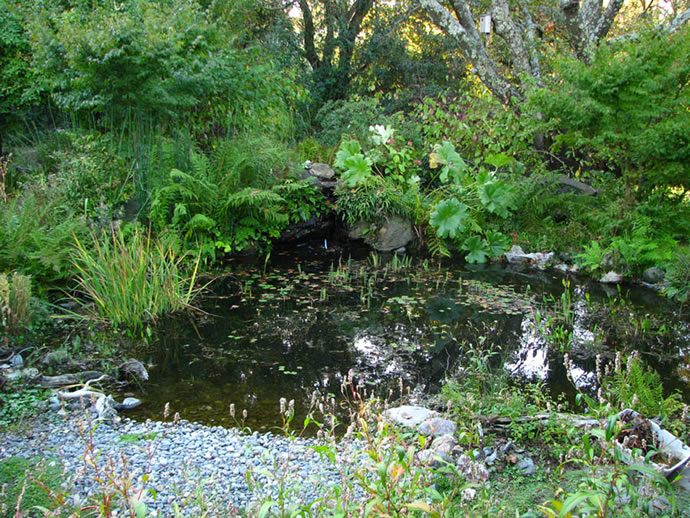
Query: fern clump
[{"x": 637, "y": 386}]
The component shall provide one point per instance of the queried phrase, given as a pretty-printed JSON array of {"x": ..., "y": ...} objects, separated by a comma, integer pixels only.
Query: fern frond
[
  {"x": 252, "y": 199},
  {"x": 436, "y": 245}
]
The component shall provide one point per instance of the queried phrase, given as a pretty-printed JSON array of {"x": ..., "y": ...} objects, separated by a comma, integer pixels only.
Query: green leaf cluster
[
  {"x": 628, "y": 108},
  {"x": 461, "y": 221}
]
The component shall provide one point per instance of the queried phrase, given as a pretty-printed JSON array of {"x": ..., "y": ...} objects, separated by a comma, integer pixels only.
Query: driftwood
[
  {"x": 84, "y": 392},
  {"x": 502, "y": 423},
  {"x": 665, "y": 442},
  {"x": 130, "y": 367},
  {"x": 70, "y": 379}
]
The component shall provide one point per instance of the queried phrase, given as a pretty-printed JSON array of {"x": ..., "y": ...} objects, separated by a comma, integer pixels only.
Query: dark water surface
[{"x": 306, "y": 320}]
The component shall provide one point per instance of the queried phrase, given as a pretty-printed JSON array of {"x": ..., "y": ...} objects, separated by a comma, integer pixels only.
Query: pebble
[{"x": 179, "y": 459}]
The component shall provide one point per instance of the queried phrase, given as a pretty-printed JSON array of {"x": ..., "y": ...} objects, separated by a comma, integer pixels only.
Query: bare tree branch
[
  {"x": 463, "y": 30},
  {"x": 505, "y": 27},
  {"x": 606, "y": 20}
]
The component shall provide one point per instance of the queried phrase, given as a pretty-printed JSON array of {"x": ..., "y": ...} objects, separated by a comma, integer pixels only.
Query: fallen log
[{"x": 69, "y": 379}]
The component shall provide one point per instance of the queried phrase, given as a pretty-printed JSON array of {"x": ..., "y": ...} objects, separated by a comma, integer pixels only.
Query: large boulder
[
  {"x": 517, "y": 255},
  {"x": 409, "y": 416},
  {"x": 391, "y": 234},
  {"x": 653, "y": 275},
  {"x": 611, "y": 278},
  {"x": 321, "y": 174}
]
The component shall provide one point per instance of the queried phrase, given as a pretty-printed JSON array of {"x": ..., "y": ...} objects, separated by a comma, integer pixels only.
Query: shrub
[
  {"x": 371, "y": 200},
  {"x": 678, "y": 278},
  {"x": 37, "y": 233},
  {"x": 352, "y": 118}
]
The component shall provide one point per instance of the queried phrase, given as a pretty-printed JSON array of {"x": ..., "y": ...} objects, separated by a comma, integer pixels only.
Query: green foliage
[
  {"x": 476, "y": 249},
  {"x": 30, "y": 478},
  {"x": 643, "y": 247},
  {"x": 161, "y": 62},
  {"x": 131, "y": 281},
  {"x": 356, "y": 167},
  {"x": 232, "y": 200},
  {"x": 627, "y": 107},
  {"x": 477, "y": 125},
  {"x": 36, "y": 235},
  {"x": 20, "y": 85},
  {"x": 482, "y": 194},
  {"x": 17, "y": 405},
  {"x": 91, "y": 178},
  {"x": 250, "y": 160},
  {"x": 450, "y": 218},
  {"x": 351, "y": 118},
  {"x": 592, "y": 257},
  {"x": 453, "y": 167},
  {"x": 637, "y": 386},
  {"x": 371, "y": 200},
  {"x": 607, "y": 485},
  {"x": 302, "y": 200},
  {"x": 678, "y": 278},
  {"x": 495, "y": 194}
]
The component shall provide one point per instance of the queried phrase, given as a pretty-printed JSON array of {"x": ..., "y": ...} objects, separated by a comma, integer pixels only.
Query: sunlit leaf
[
  {"x": 348, "y": 149},
  {"x": 453, "y": 164},
  {"x": 358, "y": 169},
  {"x": 498, "y": 159}
]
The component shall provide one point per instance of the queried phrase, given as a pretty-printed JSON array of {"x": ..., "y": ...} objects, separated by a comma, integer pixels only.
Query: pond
[{"x": 302, "y": 321}]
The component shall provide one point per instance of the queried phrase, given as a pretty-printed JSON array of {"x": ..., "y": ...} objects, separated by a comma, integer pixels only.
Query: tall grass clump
[
  {"x": 131, "y": 280},
  {"x": 15, "y": 299}
]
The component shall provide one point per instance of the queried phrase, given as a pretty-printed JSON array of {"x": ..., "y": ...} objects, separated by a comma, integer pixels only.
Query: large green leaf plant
[{"x": 466, "y": 205}]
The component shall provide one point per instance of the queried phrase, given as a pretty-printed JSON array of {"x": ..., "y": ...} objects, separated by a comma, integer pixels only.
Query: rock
[
  {"x": 490, "y": 459},
  {"x": 526, "y": 466},
  {"x": 611, "y": 278},
  {"x": 17, "y": 362},
  {"x": 321, "y": 171},
  {"x": 578, "y": 187},
  {"x": 127, "y": 404},
  {"x": 54, "y": 403},
  {"x": 653, "y": 275},
  {"x": 433, "y": 458},
  {"x": 409, "y": 416},
  {"x": 517, "y": 255},
  {"x": 436, "y": 427},
  {"x": 313, "y": 228},
  {"x": 105, "y": 408},
  {"x": 567, "y": 269},
  {"x": 473, "y": 472},
  {"x": 445, "y": 444},
  {"x": 393, "y": 233},
  {"x": 134, "y": 368},
  {"x": 26, "y": 375}
]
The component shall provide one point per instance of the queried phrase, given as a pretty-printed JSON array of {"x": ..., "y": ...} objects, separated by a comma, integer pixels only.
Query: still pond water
[{"x": 301, "y": 322}]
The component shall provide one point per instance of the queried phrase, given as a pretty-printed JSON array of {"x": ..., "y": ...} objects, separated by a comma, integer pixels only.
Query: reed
[{"x": 131, "y": 281}]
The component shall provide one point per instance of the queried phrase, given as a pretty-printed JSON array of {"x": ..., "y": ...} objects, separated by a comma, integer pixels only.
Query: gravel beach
[{"x": 182, "y": 460}]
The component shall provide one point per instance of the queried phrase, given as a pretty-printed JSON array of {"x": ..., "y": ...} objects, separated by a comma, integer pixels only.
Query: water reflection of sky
[{"x": 530, "y": 358}]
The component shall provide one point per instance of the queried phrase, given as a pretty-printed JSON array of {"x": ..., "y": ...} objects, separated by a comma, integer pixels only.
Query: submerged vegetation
[{"x": 146, "y": 145}]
